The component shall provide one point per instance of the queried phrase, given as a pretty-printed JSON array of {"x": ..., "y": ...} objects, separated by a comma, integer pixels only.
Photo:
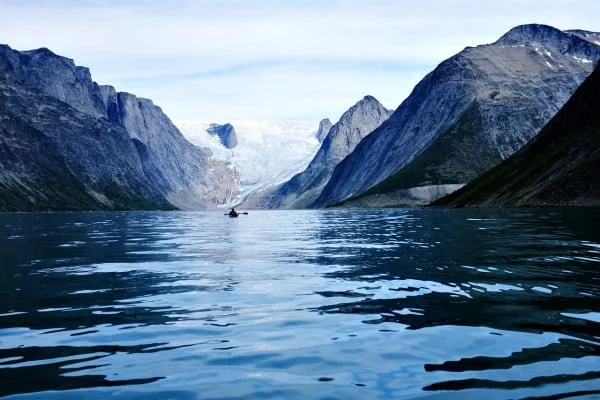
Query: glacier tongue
[{"x": 268, "y": 152}]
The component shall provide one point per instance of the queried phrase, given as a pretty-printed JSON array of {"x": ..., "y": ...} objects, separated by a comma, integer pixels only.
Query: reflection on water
[{"x": 432, "y": 304}]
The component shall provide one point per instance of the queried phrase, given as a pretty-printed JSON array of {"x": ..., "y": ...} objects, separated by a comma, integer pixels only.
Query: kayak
[{"x": 237, "y": 214}]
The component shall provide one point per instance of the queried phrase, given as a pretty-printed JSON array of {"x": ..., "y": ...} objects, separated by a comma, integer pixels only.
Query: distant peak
[
  {"x": 368, "y": 105},
  {"x": 367, "y": 101},
  {"x": 369, "y": 98},
  {"x": 226, "y": 134},
  {"x": 214, "y": 127},
  {"x": 324, "y": 128},
  {"x": 525, "y": 34},
  {"x": 325, "y": 122}
]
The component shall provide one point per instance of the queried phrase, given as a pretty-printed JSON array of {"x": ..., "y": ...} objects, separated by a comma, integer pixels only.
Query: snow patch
[
  {"x": 543, "y": 52},
  {"x": 582, "y": 60}
]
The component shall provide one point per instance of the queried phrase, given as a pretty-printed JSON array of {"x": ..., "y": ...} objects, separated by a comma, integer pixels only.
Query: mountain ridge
[
  {"x": 558, "y": 167},
  {"x": 49, "y": 96},
  {"x": 302, "y": 189},
  {"x": 518, "y": 86}
]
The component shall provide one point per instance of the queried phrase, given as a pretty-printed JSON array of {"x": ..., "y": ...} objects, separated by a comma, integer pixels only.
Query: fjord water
[{"x": 375, "y": 304}]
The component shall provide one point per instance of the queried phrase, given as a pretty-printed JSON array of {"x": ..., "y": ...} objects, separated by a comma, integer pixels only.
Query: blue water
[{"x": 385, "y": 304}]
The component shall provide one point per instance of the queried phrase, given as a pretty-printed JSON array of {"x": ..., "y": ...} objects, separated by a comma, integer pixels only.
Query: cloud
[
  {"x": 282, "y": 92},
  {"x": 270, "y": 58}
]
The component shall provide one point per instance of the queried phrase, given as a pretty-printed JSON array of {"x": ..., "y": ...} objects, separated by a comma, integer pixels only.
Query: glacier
[{"x": 268, "y": 153}]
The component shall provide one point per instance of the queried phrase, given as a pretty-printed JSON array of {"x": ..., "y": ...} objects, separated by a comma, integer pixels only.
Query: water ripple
[{"x": 488, "y": 304}]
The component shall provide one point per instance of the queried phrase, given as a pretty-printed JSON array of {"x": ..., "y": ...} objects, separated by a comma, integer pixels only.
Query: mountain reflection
[{"x": 507, "y": 273}]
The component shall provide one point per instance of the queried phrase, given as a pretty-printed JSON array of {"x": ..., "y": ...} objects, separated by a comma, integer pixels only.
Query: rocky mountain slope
[
  {"x": 301, "y": 191},
  {"x": 473, "y": 111},
  {"x": 558, "y": 167},
  {"x": 593, "y": 37},
  {"x": 69, "y": 143}
]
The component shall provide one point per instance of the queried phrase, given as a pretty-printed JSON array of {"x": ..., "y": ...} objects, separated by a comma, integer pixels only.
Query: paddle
[{"x": 245, "y": 213}]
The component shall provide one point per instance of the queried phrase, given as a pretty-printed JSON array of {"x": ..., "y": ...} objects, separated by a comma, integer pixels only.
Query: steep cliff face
[
  {"x": 112, "y": 150},
  {"x": 58, "y": 77},
  {"x": 193, "y": 179},
  {"x": 356, "y": 123},
  {"x": 474, "y": 110},
  {"x": 558, "y": 167},
  {"x": 54, "y": 157}
]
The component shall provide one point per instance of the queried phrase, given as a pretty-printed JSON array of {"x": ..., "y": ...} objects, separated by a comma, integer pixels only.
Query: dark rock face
[
  {"x": 356, "y": 123},
  {"x": 226, "y": 133},
  {"x": 68, "y": 143},
  {"x": 324, "y": 128},
  {"x": 558, "y": 167},
  {"x": 473, "y": 111},
  {"x": 592, "y": 37}
]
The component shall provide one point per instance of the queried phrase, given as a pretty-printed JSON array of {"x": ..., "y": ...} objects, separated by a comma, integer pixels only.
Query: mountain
[
  {"x": 324, "y": 128},
  {"x": 226, "y": 134},
  {"x": 592, "y": 37},
  {"x": 558, "y": 167},
  {"x": 473, "y": 111},
  {"x": 268, "y": 152},
  {"x": 68, "y": 143},
  {"x": 300, "y": 191}
]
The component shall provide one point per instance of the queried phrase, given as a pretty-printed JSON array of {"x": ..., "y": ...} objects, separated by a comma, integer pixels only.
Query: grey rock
[
  {"x": 69, "y": 143},
  {"x": 324, "y": 128},
  {"x": 226, "y": 134},
  {"x": 559, "y": 167},
  {"x": 593, "y": 37},
  {"x": 55, "y": 157},
  {"x": 474, "y": 110},
  {"x": 356, "y": 123},
  {"x": 413, "y": 197},
  {"x": 55, "y": 76}
]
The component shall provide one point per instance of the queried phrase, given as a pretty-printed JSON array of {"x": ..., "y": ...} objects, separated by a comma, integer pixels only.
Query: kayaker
[{"x": 233, "y": 213}]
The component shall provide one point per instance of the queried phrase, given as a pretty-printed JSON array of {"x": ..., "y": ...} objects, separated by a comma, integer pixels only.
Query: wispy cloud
[
  {"x": 295, "y": 66},
  {"x": 270, "y": 58}
]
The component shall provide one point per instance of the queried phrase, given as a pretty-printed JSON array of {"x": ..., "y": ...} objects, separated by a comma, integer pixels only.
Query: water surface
[{"x": 407, "y": 304}]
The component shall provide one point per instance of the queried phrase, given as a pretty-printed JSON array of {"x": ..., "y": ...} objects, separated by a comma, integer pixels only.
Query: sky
[{"x": 226, "y": 60}]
